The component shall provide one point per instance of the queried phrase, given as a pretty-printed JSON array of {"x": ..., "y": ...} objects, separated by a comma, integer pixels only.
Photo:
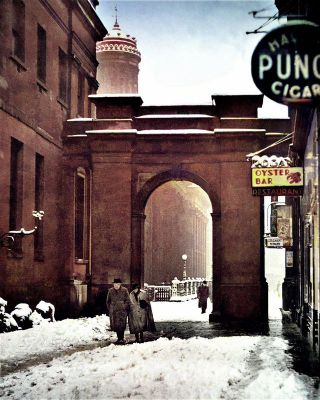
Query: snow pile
[
  {"x": 22, "y": 316},
  {"x": 61, "y": 335},
  {"x": 3, "y": 302},
  {"x": 21, "y": 310},
  {"x": 51, "y": 337}
]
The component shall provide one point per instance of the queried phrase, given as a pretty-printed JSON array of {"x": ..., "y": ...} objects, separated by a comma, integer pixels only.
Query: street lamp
[{"x": 184, "y": 258}]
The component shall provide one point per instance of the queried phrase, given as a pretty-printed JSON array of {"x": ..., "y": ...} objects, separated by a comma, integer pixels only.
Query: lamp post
[{"x": 184, "y": 258}]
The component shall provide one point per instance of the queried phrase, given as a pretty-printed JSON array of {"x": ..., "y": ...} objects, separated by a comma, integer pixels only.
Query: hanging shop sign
[
  {"x": 270, "y": 179},
  {"x": 273, "y": 219},
  {"x": 285, "y": 231},
  {"x": 285, "y": 65},
  {"x": 273, "y": 242},
  {"x": 284, "y": 225},
  {"x": 289, "y": 259}
]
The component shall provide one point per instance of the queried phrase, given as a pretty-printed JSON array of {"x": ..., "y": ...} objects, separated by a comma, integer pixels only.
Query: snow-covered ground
[{"x": 239, "y": 367}]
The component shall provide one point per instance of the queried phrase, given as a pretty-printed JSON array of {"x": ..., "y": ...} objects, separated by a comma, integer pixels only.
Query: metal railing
[{"x": 183, "y": 290}]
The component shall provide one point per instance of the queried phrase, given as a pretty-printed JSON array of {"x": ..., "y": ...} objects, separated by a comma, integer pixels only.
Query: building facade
[
  {"x": 304, "y": 150},
  {"x": 47, "y": 70}
]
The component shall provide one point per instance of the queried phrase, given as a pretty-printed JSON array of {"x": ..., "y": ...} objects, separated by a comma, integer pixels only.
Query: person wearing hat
[
  {"x": 203, "y": 294},
  {"x": 118, "y": 305},
  {"x": 140, "y": 316}
]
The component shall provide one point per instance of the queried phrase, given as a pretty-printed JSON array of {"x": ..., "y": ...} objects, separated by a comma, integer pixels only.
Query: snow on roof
[
  {"x": 245, "y": 118},
  {"x": 99, "y": 119},
  {"x": 110, "y": 96},
  {"x": 167, "y": 131},
  {"x": 175, "y": 116},
  {"x": 80, "y": 119},
  {"x": 230, "y": 130},
  {"x": 174, "y": 103},
  {"x": 174, "y": 132},
  {"x": 112, "y": 131}
]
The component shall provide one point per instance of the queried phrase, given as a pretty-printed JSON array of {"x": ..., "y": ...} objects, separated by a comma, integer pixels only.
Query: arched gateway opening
[
  {"x": 187, "y": 181},
  {"x": 177, "y": 241},
  {"x": 159, "y": 247},
  {"x": 177, "y": 234}
]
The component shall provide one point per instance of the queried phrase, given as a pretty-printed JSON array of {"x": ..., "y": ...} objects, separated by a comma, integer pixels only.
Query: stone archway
[
  {"x": 132, "y": 149},
  {"x": 138, "y": 219}
]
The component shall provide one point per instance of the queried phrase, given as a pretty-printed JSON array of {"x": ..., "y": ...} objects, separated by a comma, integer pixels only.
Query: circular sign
[{"x": 285, "y": 65}]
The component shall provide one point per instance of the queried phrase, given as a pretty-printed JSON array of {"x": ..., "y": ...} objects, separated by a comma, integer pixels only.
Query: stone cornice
[
  {"x": 54, "y": 15},
  {"x": 101, "y": 47},
  {"x": 91, "y": 18},
  {"x": 96, "y": 25}
]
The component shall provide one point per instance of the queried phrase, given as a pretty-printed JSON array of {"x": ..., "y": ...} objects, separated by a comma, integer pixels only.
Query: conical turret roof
[{"x": 117, "y": 40}]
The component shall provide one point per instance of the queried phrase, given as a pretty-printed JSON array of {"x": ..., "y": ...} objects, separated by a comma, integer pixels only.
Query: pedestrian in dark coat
[
  {"x": 140, "y": 316},
  {"x": 203, "y": 294},
  {"x": 118, "y": 304}
]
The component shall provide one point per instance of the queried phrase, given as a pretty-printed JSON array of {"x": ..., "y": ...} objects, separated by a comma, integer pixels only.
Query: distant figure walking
[
  {"x": 140, "y": 316},
  {"x": 118, "y": 305},
  {"x": 203, "y": 294}
]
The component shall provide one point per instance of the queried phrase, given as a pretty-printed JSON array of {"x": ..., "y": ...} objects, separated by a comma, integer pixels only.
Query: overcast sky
[{"x": 193, "y": 49}]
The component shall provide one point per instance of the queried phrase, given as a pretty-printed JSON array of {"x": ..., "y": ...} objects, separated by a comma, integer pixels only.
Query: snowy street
[{"x": 76, "y": 359}]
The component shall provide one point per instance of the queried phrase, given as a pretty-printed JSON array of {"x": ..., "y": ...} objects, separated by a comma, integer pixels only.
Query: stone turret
[{"x": 119, "y": 60}]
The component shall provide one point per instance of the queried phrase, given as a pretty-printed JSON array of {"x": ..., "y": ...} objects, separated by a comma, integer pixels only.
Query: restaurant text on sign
[{"x": 278, "y": 191}]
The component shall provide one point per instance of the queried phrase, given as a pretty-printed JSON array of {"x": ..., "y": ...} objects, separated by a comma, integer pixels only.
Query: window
[
  {"x": 18, "y": 29},
  {"x": 80, "y": 93},
  {"x": 42, "y": 54},
  {"x": 16, "y": 190},
  {"x": 38, "y": 203},
  {"x": 92, "y": 89},
  {"x": 63, "y": 69},
  {"x": 80, "y": 214}
]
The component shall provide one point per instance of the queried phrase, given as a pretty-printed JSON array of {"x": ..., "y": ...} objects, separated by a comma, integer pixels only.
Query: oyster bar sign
[
  {"x": 273, "y": 176},
  {"x": 285, "y": 65}
]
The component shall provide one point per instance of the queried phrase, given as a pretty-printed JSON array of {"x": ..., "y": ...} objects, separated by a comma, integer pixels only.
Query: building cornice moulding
[{"x": 54, "y": 15}]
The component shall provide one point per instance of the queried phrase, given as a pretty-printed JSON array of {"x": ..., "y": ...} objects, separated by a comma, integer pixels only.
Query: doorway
[{"x": 275, "y": 260}]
